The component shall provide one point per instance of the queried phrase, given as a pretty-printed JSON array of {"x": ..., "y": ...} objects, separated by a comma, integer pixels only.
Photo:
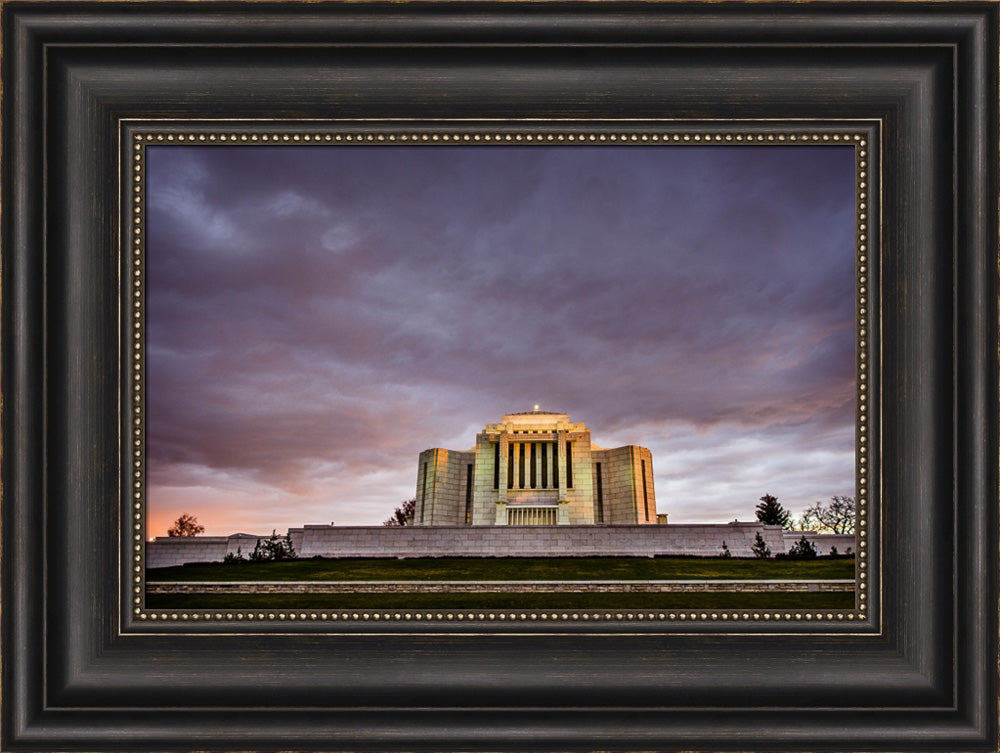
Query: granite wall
[
  {"x": 528, "y": 541},
  {"x": 499, "y": 541}
]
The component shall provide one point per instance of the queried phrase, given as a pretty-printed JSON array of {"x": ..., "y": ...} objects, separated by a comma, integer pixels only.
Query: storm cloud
[{"x": 317, "y": 316}]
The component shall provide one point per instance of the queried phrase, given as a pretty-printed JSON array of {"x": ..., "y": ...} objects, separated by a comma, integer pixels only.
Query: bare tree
[
  {"x": 185, "y": 525},
  {"x": 403, "y": 515},
  {"x": 835, "y": 516}
]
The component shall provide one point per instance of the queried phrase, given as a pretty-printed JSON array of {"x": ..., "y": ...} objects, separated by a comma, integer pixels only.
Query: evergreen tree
[
  {"x": 771, "y": 513},
  {"x": 273, "y": 548},
  {"x": 760, "y": 548}
]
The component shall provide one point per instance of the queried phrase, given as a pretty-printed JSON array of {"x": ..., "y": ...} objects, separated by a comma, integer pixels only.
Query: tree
[
  {"x": 760, "y": 548},
  {"x": 836, "y": 516},
  {"x": 185, "y": 525},
  {"x": 272, "y": 549},
  {"x": 403, "y": 516},
  {"x": 799, "y": 524},
  {"x": 802, "y": 549},
  {"x": 771, "y": 513}
]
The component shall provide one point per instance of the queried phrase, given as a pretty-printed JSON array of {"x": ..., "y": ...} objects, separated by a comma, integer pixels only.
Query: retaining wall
[
  {"x": 823, "y": 542},
  {"x": 533, "y": 541},
  {"x": 167, "y": 551},
  {"x": 499, "y": 541}
]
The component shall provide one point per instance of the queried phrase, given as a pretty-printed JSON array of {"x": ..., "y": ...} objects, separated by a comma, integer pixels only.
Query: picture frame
[{"x": 80, "y": 672}]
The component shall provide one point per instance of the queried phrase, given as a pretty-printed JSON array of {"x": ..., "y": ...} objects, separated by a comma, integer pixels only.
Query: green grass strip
[
  {"x": 514, "y": 568},
  {"x": 505, "y": 601}
]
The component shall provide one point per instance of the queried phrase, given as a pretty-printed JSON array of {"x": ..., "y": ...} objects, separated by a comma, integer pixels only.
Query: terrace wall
[
  {"x": 482, "y": 541},
  {"x": 823, "y": 541},
  {"x": 167, "y": 551}
]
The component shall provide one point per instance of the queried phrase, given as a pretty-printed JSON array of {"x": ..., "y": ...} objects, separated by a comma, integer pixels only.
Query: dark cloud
[{"x": 318, "y": 315}]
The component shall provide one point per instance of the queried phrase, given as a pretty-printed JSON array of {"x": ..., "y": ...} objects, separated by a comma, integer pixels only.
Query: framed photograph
[
  {"x": 318, "y": 303},
  {"x": 558, "y": 292}
]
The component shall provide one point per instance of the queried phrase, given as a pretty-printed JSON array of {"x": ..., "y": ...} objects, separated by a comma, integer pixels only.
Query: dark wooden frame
[{"x": 77, "y": 674}]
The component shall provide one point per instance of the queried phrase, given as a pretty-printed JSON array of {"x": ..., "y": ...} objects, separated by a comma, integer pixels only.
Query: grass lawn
[
  {"x": 514, "y": 568},
  {"x": 505, "y": 601}
]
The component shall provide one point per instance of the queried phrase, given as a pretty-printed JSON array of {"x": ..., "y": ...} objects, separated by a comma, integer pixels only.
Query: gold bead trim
[
  {"x": 579, "y": 138},
  {"x": 863, "y": 323},
  {"x": 491, "y": 616}
]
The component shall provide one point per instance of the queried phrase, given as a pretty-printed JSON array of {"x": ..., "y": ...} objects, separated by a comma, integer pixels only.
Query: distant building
[{"x": 535, "y": 468}]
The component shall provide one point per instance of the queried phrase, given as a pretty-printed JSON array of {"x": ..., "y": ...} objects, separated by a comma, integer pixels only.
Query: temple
[
  {"x": 534, "y": 485},
  {"x": 535, "y": 468}
]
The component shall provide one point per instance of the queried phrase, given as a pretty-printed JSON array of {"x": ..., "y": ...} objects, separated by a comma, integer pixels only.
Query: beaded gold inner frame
[{"x": 136, "y": 136}]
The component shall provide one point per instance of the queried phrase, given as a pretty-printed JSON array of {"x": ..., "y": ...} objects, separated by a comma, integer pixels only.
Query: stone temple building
[
  {"x": 535, "y": 468},
  {"x": 534, "y": 485}
]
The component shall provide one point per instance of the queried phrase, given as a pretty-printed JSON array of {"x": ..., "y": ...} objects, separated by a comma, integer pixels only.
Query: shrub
[
  {"x": 273, "y": 549},
  {"x": 726, "y": 554},
  {"x": 833, "y": 551},
  {"x": 802, "y": 549},
  {"x": 760, "y": 548},
  {"x": 232, "y": 558}
]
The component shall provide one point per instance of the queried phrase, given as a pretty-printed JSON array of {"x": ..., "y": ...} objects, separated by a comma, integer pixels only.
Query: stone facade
[{"x": 535, "y": 468}]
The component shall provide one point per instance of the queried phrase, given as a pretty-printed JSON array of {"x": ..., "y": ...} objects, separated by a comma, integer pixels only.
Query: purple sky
[{"x": 317, "y": 316}]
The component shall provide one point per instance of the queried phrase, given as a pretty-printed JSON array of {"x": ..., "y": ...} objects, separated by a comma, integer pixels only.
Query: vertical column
[
  {"x": 520, "y": 464},
  {"x": 535, "y": 455},
  {"x": 562, "y": 463},
  {"x": 504, "y": 449}
]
